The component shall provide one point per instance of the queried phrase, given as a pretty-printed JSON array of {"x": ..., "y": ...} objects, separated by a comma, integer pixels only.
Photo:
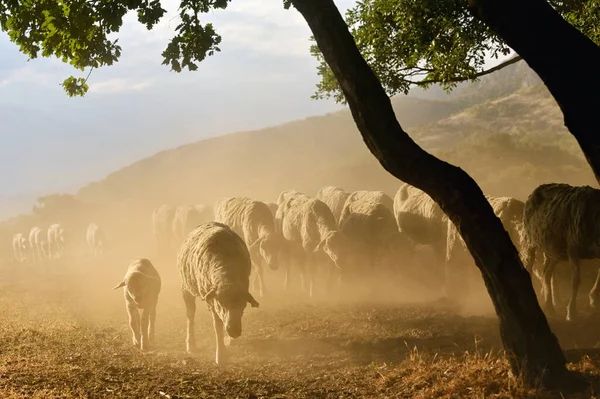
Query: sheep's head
[
  {"x": 141, "y": 288},
  {"x": 229, "y": 303},
  {"x": 334, "y": 244},
  {"x": 271, "y": 248}
]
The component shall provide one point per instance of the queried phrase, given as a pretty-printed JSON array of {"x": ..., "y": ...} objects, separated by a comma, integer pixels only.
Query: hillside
[
  {"x": 328, "y": 149},
  {"x": 509, "y": 143}
]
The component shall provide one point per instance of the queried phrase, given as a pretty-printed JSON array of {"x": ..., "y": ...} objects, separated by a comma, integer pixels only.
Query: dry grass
[{"x": 64, "y": 334}]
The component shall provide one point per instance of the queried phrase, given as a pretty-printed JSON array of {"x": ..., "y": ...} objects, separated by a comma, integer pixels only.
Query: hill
[
  {"x": 510, "y": 141},
  {"x": 328, "y": 149}
]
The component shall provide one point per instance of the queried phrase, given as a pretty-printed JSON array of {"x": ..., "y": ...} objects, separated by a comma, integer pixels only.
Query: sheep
[
  {"x": 334, "y": 198},
  {"x": 284, "y": 195},
  {"x": 561, "y": 221},
  {"x": 95, "y": 240},
  {"x": 310, "y": 228},
  {"x": 373, "y": 236},
  {"x": 19, "y": 247},
  {"x": 272, "y": 207},
  {"x": 459, "y": 263},
  {"x": 186, "y": 219},
  {"x": 162, "y": 228},
  {"x": 141, "y": 286},
  {"x": 56, "y": 241},
  {"x": 37, "y": 244},
  {"x": 421, "y": 219},
  {"x": 372, "y": 196},
  {"x": 253, "y": 221},
  {"x": 214, "y": 264}
]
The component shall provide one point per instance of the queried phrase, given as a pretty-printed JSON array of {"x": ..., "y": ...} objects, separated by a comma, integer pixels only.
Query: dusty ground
[{"x": 64, "y": 333}]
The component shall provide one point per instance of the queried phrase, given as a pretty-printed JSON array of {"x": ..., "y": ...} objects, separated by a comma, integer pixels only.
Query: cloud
[
  {"x": 28, "y": 74},
  {"x": 119, "y": 85}
]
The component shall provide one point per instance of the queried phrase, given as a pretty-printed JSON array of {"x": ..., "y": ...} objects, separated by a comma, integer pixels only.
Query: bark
[
  {"x": 532, "y": 348},
  {"x": 565, "y": 59}
]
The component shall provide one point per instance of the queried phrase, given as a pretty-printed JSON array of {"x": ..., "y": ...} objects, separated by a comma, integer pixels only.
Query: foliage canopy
[
  {"x": 423, "y": 42},
  {"x": 77, "y": 32}
]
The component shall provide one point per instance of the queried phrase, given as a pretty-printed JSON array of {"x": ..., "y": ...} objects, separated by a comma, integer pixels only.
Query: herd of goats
[{"x": 345, "y": 236}]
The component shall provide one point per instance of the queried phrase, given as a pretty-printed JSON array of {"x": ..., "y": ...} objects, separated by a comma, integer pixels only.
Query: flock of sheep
[
  {"x": 346, "y": 237},
  {"x": 51, "y": 245}
]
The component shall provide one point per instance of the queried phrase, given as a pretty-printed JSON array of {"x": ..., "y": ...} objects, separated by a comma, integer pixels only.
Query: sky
[{"x": 263, "y": 76}]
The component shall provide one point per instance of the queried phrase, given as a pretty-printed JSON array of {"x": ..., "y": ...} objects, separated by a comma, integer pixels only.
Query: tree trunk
[
  {"x": 532, "y": 348},
  {"x": 565, "y": 59}
]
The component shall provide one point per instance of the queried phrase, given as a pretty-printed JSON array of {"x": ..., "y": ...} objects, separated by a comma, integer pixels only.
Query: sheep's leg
[
  {"x": 151, "y": 326},
  {"x": 575, "y": 281},
  {"x": 286, "y": 279},
  {"x": 594, "y": 292},
  {"x": 145, "y": 343},
  {"x": 190, "y": 308},
  {"x": 555, "y": 296},
  {"x": 547, "y": 272},
  {"x": 134, "y": 322},
  {"x": 219, "y": 335},
  {"x": 261, "y": 281},
  {"x": 309, "y": 270}
]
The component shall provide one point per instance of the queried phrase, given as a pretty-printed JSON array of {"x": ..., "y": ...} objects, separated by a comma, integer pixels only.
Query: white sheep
[
  {"x": 56, "y": 241},
  {"x": 141, "y": 288},
  {"x": 561, "y": 221},
  {"x": 187, "y": 218},
  {"x": 38, "y": 244},
  {"x": 95, "y": 239},
  {"x": 311, "y": 231},
  {"x": 214, "y": 265},
  {"x": 460, "y": 266},
  {"x": 19, "y": 247},
  {"x": 253, "y": 221},
  {"x": 372, "y": 197},
  {"x": 162, "y": 228},
  {"x": 376, "y": 244},
  {"x": 334, "y": 198}
]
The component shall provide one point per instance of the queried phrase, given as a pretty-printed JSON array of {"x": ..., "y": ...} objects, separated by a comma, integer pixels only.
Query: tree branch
[{"x": 458, "y": 79}]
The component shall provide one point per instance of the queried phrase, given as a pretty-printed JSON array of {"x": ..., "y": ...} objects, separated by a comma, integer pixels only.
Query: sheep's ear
[
  {"x": 252, "y": 301},
  {"x": 122, "y": 284},
  {"x": 209, "y": 294}
]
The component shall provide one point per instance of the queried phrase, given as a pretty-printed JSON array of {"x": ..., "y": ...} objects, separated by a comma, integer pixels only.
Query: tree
[
  {"x": 423, "y": 42},
  {"x": 77, "y": 31}
]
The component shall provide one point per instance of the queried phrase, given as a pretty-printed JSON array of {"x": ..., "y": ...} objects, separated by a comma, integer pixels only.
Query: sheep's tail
[{"x": 122, "y": 284}]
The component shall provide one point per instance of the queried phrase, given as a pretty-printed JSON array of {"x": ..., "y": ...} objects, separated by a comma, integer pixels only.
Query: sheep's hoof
[
  {"x": 191, "y": 349},
  {"x": 221, "y": 359},
  {"x": 136, "y": 343},
  {"x": 227, "y": 340},
  {"x": 592, "y": 302},
  {"x": 571, "y": 316}
]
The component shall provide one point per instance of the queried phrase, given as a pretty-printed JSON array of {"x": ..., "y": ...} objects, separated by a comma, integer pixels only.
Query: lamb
[
  {"x": 186, "y": 219},
  {"x": 19, "y": 247},
  {"x": 56, "y": 241},
  {"x": 334, "y": 198},
  {"x": 253, "y": 221},
  {"x": 373, "y": 236},
  {"x": 37, "y": 244},
  {"x": 162, "y": 228},
  {"x": 310, "y": 228},
  {"x": 214, "y": 264},
  {"x": 510, "y": 212},
  {"x": 373, "y": 197},
  {"x": 141, "y": 288},
  {"x": 562, "y": 222},
  {"x": 95, "y": 240}
]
